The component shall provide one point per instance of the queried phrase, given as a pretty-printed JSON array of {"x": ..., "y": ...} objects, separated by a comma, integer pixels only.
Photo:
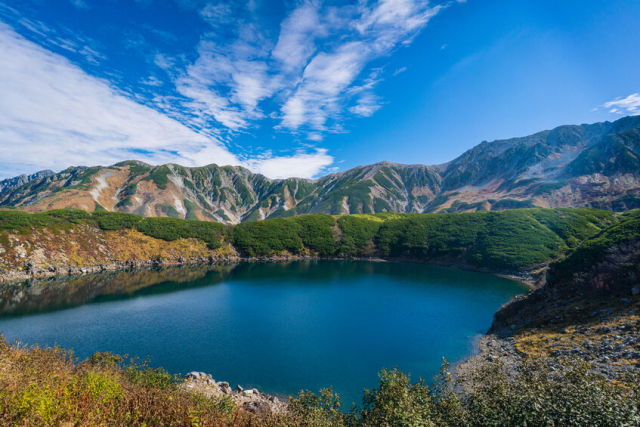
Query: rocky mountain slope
[
  {"x": 594, "y": 165},
  {"x": 7, "y": 185}
]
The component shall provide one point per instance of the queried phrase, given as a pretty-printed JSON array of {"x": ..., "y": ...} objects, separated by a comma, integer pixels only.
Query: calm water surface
[{"x": 279, "y": 327}]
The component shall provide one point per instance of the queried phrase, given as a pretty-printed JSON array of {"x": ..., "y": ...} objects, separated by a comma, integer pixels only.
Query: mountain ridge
[{"x": 590, "y": 165}]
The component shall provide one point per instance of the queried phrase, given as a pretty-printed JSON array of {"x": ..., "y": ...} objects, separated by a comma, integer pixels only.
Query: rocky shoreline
[
  {"x": 491, "y": 348},
  {"x": 606, "y": 335},
  {"x": 32, "y": 272},
  {"x": 250, "y": 400}
]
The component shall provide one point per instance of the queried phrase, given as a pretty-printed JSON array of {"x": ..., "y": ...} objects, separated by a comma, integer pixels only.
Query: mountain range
[{"x": 590, "y": 165}]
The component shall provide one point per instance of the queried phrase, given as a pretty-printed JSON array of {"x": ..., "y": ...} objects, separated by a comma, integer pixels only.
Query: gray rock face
[
  {"x": 250, "y": 399},
  {"x": 20, "y": 180},
  {"x": 197, "y": 376}
]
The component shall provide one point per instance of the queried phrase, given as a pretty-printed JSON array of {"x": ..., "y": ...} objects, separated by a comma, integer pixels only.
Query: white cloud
[
  {"x": 312, "y": 73},
  {"x": 56, "y": 38},
  {"x": 216, "y": 14},
  {"x": 152, "y": 81},
  {"x": 298, "y": 32},
  {"x": 629, "y": 105},
  {"x": 366, "y": 105},
  {"x": 300, "y": 165},
  {"x": 314, "y": 136},
  {"x": 323, "y": 80},
  {"x": 163, "y": 61},
  {"x": 328, "y": 79},
  {"x": 80, "y": 4},
  {"x": 227, "y": 81},
  {"x": 53, "y": 115},
  {"x": 399, "y": 70}
]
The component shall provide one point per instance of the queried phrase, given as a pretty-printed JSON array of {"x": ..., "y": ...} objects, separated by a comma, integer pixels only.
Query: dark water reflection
[{"x": 58, "y": 293}]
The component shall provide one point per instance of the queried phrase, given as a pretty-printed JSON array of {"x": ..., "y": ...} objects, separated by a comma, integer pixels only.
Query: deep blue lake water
[{"x": 278, "y": 327}]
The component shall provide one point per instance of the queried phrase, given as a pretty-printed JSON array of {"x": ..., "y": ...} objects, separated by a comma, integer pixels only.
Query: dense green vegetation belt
[{"x": 507, "y": 240}]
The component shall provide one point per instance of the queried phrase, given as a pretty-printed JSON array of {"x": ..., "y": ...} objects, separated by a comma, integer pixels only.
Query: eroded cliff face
[{"x": 594, "y": 165}]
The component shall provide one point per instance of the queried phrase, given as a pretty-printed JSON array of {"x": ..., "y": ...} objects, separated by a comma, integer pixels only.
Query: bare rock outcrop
[{"x": 250, "y": 399}]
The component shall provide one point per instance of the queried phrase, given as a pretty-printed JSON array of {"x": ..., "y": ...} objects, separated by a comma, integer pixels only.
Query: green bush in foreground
[
  {"x": 571, "y": 395},
  {"x": 48, "y": 387}
]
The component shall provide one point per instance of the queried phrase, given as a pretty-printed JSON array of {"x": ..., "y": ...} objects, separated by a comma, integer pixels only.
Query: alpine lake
[{"x": 276, "y": 326}]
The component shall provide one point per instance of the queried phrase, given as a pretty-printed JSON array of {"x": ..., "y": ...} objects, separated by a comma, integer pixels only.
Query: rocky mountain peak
[{"x": 595, "y": 165}]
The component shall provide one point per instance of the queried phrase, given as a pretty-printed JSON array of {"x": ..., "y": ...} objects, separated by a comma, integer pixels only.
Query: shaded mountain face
[
  {"x": 594, "y": 165},
  {"x": 7, "y": 185}
]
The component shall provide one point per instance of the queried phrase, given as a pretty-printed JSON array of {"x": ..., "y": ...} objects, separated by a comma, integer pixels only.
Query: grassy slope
[
  {"x": 57, "y": 240},
  {"x": 609, "y": 260}
]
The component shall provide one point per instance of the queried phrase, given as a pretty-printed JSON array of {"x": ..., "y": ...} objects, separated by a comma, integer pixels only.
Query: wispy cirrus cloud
[
  {"x": 80, "y": 4},
  {"x": 317, "y": 68},
  {"x": 226, "y": 83},
  {"x": 313, "y": 74},
  {"x": 399, "y": 71},
  {"x": 629, "y": 105},
  {"x": 64, "y": 117},
  {"x": 373, "y": 31},
  {"x": 298, "y": 34},
  {"x": 61, "y": 39}
]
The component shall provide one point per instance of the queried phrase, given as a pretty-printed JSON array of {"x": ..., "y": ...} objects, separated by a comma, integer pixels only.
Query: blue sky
[{"x": 302, "y": 88}]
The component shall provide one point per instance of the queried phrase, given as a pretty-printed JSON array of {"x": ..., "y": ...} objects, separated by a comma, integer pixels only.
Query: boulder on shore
[{"x": 250, "y": 399}]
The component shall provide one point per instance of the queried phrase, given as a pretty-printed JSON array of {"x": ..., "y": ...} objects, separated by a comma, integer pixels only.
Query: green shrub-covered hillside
[
  {"x": 608, "y": 261},
  {"x": 499, "y": 240},
  {"x": 506, "y": 240}
]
